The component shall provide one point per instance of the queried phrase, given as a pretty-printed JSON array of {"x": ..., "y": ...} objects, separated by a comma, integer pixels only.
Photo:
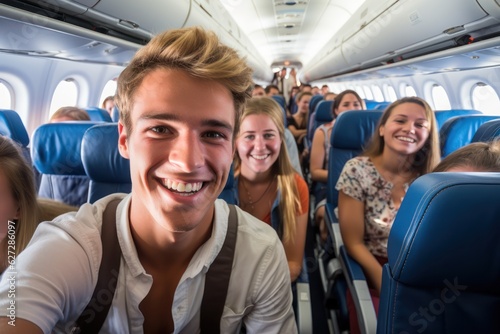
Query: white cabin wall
[{"x": 34, "y": 80}]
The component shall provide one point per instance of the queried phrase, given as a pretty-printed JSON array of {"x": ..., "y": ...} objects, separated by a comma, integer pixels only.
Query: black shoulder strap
[
  {"x": 217, "y": 279},
  {"x": 92, "y": 318}
]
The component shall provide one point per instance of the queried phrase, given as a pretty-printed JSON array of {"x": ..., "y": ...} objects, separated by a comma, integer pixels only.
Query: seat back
[
  {"x": 98, "y": 114},
  {"x": 12, "y": 126},
  {"x": 487, "y": 131},
  {"x": 458, "y": 131},
  {"x": 281, "y": 101},
  {"x": 108, "y": 171},
  {"x": 351, "y": 132},
  {"x": 444, "y": 257},
  {"x": 321, "y": 115},
  {"x": 315, "y": 99},
  {"x": 443, "y": 115},
  {"x": 228, "y": 193},
  {"x": 55, "y": 150},
  {"x": 115, "y": 116}
]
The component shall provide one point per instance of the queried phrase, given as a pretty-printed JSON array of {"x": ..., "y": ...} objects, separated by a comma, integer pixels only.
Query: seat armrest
[{"x": 356, "y": 281}]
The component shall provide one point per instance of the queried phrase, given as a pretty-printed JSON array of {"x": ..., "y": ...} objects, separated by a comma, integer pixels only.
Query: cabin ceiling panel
[{"x": 290, "y": 32}]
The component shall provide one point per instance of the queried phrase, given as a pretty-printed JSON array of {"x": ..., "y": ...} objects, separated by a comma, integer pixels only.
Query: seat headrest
[
  {"x": 458, "y": 131},
  {"x": 315, "y": 99},
  {"x": 116, "y": 114},
  {"x": 12, "y": 126},
  {"x": 324, "y": 112},
  {"x": 443, "y": 115},
  {"x": 98, "y": 114},
  {"x": 487, "y": 131},
  {"x": 100, "y": 156},
  {"x": 353, "y": 129},
  {"x": 55, "y": 147},
  {"x": 448, "y": 224}
]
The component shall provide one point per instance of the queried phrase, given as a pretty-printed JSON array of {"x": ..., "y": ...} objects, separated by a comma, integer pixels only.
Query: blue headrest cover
[
  {"x": 354, "y": 128},
  {"x": 12, "y": 126},
  {"x": 56, "y": 147},
  {"x": 487, "y": 131},
  {"x": 458, "y": 131},
  {"x": 324, "y": 112},
  {"x": 98, "y": 114},
  {"x": 443, "y": 115},
  {"x": 101, "y": 157}
]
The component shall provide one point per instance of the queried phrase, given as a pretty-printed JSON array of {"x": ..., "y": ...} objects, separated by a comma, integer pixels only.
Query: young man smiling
[{"x": 180, "y": 101}]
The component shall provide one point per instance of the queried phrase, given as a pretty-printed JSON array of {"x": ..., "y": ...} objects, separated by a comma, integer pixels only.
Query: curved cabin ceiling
[{"x": 290, "y": 33}]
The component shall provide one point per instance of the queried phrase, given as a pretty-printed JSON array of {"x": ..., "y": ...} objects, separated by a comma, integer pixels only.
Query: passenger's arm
[
  {"x": 317, "y": 157},
  {"x": 18, "y": 326},
  {"x": 294, "y": 250},
  {"x": 296, "y": 132},
  {"x": 352, "y": 228}
]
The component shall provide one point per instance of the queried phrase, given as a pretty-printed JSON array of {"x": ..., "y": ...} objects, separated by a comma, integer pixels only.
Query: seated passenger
[
  {"x": 268, "y": 186},
  {"x": 318, "y": 161},
  {"x": 297, "y": 123},
  {"x": 69, "y": 114},
  {"x": 371, "y": 186},
  {"x": 20, "y": 212},
  {"x": 258, "y": 91},
  {"x": 108, "y": 104},
  {"x": 171, "y": 227},
  {"x": 475, "y": 157}
]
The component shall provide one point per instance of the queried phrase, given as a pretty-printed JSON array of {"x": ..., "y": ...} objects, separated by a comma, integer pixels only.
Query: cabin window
[
  {"x": 360, "y": 92},
  {"x": 5, "y": 96},
  {"x": 368, "y": 93},
  {"x": 407, "y": 90},
  {"x": 440, "y": 98},
  {"x": 485, "y": 99},
  {"x": 65, "y": 94},
  {"x": 390, "y": 93},
  {"x": 108, "y": 90},
  {"x": 377, "y": 94}
]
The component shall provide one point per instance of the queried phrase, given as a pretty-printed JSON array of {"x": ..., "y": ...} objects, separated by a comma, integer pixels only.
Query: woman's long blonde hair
[
  {"x": 22, "y": 185},
  {"x": 282, "y": 168}
]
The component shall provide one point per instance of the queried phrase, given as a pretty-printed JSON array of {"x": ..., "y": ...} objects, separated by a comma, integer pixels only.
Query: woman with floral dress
[{"x": 404, "y": 146}]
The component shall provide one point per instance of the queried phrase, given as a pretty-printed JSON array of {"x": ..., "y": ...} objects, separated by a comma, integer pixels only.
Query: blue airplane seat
[
  {"x": 381, "y": 105},
  {"x": 281, "y": 101},
  {"x": 322, "y": 114},
  {"x": 108, "y": 171},
  {"x": 458, "y": 131},
  {"x": 115, "y": 116},
  {"x": 98, "y": 114},
  {"x": 13, "y": 127},
  {"x": 352, "y": 130},
  {"x": 56, "y": 155},
  {"x": 315, "y": 99},
  {"x": 228, "y": 194},
  {"x": 371, "y": 104},
  {"x": 443, "y": 115},
  {"x": 444, "y": 257},
  {"x": 487, "y": 131}
]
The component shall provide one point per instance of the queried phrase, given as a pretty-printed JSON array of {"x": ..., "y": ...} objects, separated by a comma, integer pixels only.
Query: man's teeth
[{"x": 183, "y": 187}]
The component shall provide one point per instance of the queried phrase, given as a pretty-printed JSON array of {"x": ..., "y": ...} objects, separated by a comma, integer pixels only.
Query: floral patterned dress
[{"x": 361, "y": 180}]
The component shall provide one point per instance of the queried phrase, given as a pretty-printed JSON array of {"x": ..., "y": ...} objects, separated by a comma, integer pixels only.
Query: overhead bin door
[{"x": 151, "y": 15}]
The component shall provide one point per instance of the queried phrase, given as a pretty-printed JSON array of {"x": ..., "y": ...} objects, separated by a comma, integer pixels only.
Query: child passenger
[
  {"x": 371, "y": 186},
  {"x": 475, "y": 157}
]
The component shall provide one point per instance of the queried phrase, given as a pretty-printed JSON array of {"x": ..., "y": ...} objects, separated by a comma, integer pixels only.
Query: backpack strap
[
  {"x": 217, "y": 279},
  {"x": 94, "y": 314}
]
